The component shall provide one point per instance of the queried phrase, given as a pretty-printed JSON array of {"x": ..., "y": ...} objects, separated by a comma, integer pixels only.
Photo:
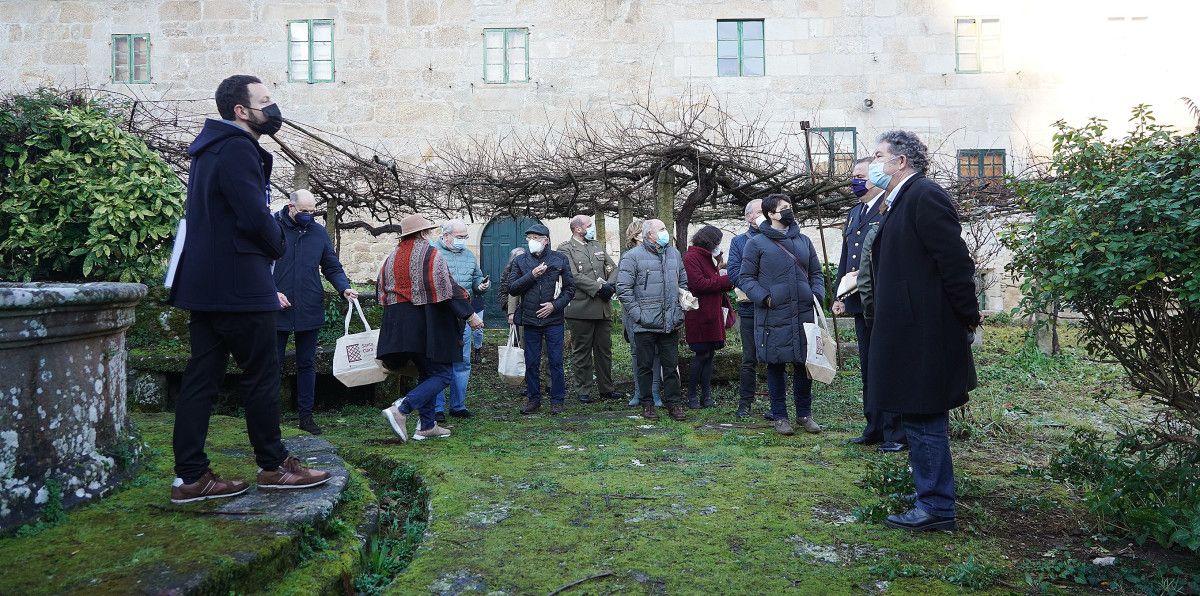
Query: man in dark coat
[
  {"x": 542, "y": 278},
  {"x": 301, "y": 296},
  {"x": 882, "y": 427},
  {"x": 224, "y": 279},
  {"x": 748, "y": 372},
  {"x": 925, "y": 310}
]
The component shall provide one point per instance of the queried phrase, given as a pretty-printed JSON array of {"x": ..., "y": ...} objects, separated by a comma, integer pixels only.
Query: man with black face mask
[
  {"x": 224, "y": 278},
  {"x": 297, "y": 279}
]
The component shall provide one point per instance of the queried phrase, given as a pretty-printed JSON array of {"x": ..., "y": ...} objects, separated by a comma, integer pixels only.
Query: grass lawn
[{"x": 525, "y": 505}]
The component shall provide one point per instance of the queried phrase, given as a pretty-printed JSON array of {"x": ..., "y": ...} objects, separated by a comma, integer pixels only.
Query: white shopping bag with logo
[
  {"x": 821, "y": 361},
  {"x": 512, "y": 359},
  {"x": 354, "y": 361}
]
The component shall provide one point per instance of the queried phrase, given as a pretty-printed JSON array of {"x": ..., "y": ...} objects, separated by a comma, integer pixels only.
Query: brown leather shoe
[
  {"x": 291, "y": 474},
  {"x": 648, "y": 411},
  {"x": 209, "y": 486},
  {"x": 783, "y": 427},
  {"x": 808, "y": 424},
  {"x": 531, "y": 407},
  {"x": 676, "y": 412}
]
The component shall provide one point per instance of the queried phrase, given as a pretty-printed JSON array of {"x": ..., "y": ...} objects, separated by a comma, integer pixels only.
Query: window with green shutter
[
  {"x": 131, "y": 58},
  {"x": 310, "y": 51},
  {"x": 834, "y": 150},
  {"x": 981, "y": 163},
  {"x": 977, "y": 45},
  {"x": 741, "y": 49},
  {"x": 506, "y": 55}
]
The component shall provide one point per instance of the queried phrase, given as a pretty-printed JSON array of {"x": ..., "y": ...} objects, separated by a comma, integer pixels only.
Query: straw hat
[{"x": 415, "y": 223}]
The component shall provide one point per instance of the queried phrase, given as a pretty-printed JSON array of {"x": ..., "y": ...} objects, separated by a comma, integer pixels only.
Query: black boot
[
  {"x": 309, "y": 426},
  {"x": 743, "y": 410}
]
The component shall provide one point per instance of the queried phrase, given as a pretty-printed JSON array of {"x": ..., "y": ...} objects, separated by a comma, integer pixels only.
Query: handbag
[
  {"x": 821, "y": 360},
  {"x": 728, "y": 313},
  {"x": 354, "y": 361},
  {"x": 511, "y": 359}
]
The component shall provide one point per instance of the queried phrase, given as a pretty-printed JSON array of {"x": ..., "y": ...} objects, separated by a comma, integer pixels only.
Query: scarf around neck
[{"x": 415, "y": 272}]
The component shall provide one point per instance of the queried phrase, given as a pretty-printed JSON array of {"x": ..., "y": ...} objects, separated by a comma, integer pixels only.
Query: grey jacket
[{"x": 648, "y": 283}]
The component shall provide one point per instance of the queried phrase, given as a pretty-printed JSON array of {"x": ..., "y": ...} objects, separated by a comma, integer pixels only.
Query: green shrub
[
  {"x": 1143, "y": 493},
  {"x": 80, "y": 199}
]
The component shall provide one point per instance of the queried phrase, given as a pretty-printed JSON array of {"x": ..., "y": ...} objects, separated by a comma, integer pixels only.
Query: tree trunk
[
  {"x": 664, "y": 188},
  {"x": 624, "y": 218}
]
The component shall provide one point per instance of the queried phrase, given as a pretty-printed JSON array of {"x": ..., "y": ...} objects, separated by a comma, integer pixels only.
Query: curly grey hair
[{"x": 903, "y": 142}]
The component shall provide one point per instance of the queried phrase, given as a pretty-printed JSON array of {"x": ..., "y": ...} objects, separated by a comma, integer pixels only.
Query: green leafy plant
[
  {"x": 80, "y": 199},
  {"x": 1114, "y": 234}
]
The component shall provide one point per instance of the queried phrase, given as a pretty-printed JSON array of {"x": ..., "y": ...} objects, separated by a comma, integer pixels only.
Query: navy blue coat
[
  {"x": 232, "y": 239},
  {"x": 737, "y": 246},
  {"x": 536, "y": 290},
  {"x": 297, "y": 277},
  {"x": 857, "y": 224},
  {"x": 925, "y": 301},
  {"x": 769, "y": 271}
]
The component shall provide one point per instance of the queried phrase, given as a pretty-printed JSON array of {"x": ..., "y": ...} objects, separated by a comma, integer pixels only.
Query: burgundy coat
[{"x": 705, "y": 324}]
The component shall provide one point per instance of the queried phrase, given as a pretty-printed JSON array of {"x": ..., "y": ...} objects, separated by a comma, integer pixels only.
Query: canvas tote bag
[
  {"x": 512, "y": 359},
  {"x": 354, "y": 361},
  {"x": 821, "y": 361}
]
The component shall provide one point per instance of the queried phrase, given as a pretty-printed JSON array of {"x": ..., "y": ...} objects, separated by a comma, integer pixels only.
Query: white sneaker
[
  {"x": 435, "y": 432},
  {"x": 397, "y": 420}
]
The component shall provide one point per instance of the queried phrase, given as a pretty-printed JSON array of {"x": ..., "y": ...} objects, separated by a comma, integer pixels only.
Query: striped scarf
[{"x": 416, "y": 273}]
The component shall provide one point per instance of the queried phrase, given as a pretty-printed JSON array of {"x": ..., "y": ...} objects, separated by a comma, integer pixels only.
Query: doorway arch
[{"x": 501, "y": 235}]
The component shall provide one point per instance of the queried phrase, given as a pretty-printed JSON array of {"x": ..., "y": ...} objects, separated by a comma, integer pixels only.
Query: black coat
[
  {"x": 536, "y": 290},
  {"x": 231, "y": 237},
  {"x": 770, "y": 271},
  {"x": 297, "y": 275},
  {"x": 858, "y": 221},
  {"x": 925, "y": 301},
  {"x": 434, "y": 331}
]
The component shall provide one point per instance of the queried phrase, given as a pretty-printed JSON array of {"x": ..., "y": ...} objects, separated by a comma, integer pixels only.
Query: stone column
[{"x": 63, "y": 423}]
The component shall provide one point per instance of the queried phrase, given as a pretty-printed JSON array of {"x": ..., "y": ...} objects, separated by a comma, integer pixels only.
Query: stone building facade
[{"x": 981, "y": 80}]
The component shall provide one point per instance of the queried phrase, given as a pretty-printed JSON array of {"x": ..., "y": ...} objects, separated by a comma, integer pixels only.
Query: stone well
[{"x": 63, "y": 424}]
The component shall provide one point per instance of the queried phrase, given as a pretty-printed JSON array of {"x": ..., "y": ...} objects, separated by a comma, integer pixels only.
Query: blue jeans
[
  {"x": 306, "y": 373},
  {"x": 434, "y": 377},
  {"x": 777, "y": 387},
  {"x": 457, "y": 391},
  {"x": 655, "y": 385},
  {"x": 929, "y": 457},
  {"x": 553, "y": 334},
  {"x": 477, "y": 334}
]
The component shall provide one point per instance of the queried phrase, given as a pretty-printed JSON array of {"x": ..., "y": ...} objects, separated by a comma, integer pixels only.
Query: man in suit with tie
[
  {"x": 925, "y": 310},
  {"x": 883, "y": 428}
]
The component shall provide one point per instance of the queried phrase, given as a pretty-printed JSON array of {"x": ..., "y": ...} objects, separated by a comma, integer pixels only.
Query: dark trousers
[
  {"x": 432, "y": 379},
  {"x": 801, "y": 390},
  {"x": 306, "y": 373},
  {"x": 553, "y": 336},
  {"x": 748, "y": 373},
  {"x": 591, "y": 343},
  {"x": 881, "y": 426},
  {"x": 250, "y": 337},
  {"x": 701, "y": 371},
  {"x": 666, "y": 347},
  {"x": 929, "y": 457}
]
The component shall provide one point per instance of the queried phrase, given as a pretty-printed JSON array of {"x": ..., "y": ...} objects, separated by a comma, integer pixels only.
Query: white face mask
[
  {"x": 761, "y": 220},
  {"x": 535, "y": 246}
]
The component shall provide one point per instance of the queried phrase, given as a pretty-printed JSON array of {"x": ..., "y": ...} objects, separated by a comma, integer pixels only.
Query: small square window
[
  {"x": 741, "y": 49},
  {"x": 978, "y": 46},
  {"x": 834, "y": 150},
  {"x": 986, "y": 164},
  {"x": 310, "y": 51},
  {"x": 506, "y": 55},
  {"x": 131, "y": 58}
]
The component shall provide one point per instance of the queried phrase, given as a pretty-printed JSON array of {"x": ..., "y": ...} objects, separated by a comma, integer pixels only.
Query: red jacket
[{"x": 705, "y": 324}]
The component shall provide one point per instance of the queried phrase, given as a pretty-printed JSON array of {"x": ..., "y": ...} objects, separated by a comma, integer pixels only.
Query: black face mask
[
  {"x": 274, "y": 120},
  {"x": 786, "y": 217}
]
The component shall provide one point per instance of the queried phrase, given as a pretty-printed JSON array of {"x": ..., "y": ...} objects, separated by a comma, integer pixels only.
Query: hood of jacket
[{"x": 215, "y": 131}]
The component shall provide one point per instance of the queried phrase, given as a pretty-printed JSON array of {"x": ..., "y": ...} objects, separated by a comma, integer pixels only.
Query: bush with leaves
[
  {"x": 80, "y": 199},
  {"x": 1114, "y": 233}
]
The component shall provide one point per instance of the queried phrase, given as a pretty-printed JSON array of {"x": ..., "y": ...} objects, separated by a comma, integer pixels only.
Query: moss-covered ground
[{"x": 530, "y": 504}]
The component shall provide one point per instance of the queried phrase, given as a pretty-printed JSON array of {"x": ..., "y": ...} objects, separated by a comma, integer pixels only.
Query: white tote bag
[
  {"x": 512, "y": 359},
  {"x": 821, "y": 361},
  {"x": 354, "y": 360}
]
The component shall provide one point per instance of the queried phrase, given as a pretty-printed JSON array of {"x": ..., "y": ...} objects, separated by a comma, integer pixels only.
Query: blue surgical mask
[
  {"x": 859, "y": 186},
  {"x": 303, "y": 218},
  {"x": 590, "y": 234},
  {"x": 878, "y": 177},
  {"x": 459, "y": 244},
  {"x": 663, "y": 239}
]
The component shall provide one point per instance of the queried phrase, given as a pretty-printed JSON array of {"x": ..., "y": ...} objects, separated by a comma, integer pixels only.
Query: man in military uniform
[{"x": 589, "y": 315}]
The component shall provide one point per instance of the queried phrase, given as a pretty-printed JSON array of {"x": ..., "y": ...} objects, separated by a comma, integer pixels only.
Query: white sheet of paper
[{"x": 176, "y": 252}]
